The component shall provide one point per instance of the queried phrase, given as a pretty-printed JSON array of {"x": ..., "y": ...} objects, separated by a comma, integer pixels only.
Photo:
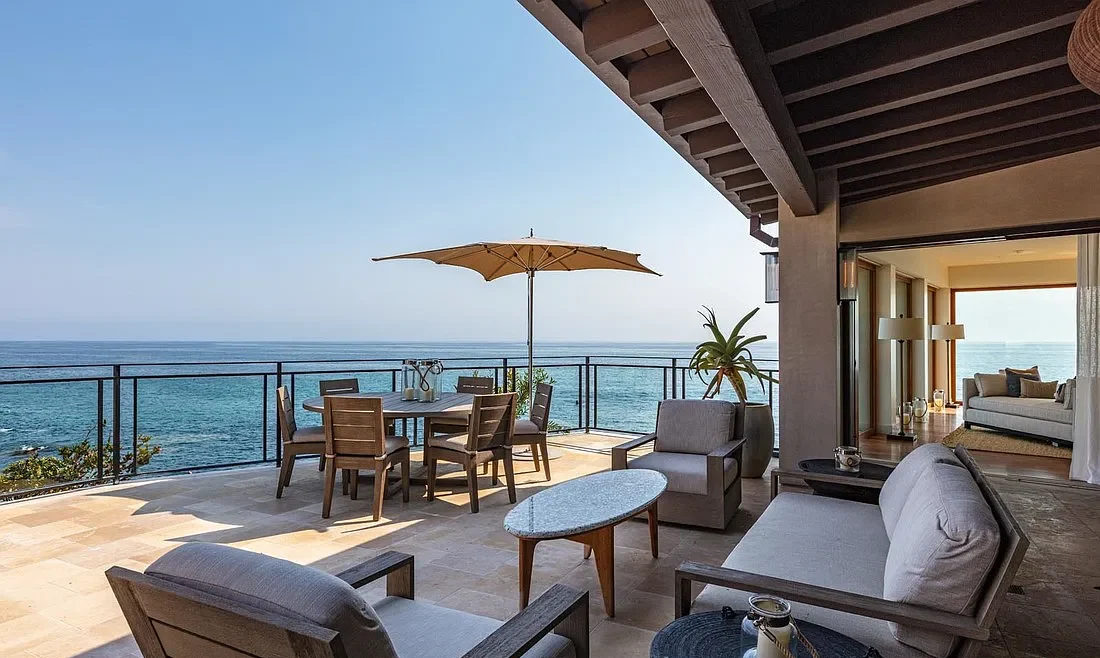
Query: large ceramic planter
[{"x": 759, "y": 440}]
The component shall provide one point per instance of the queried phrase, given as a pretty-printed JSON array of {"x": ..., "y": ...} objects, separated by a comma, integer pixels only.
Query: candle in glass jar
[
  {"x": 409, "y": 393},
  {"x": 906, "y": 419},
  {"x": 766, "y": 648}
]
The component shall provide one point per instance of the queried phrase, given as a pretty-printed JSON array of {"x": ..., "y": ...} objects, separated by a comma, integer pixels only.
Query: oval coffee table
[
  {"x": 718, "y": 635},
  {"x": 585, "y": 510}
]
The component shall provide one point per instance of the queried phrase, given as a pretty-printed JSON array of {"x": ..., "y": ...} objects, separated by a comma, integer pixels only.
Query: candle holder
[
  {"x": 904, "y": 420},
  {"x": 410, "y": 379},
  {"x": 767, "y": 631},
  {"x": 430, "y": 373},
  {"x": 939, "y": 399},
  {"x": 920, "y": 410}
]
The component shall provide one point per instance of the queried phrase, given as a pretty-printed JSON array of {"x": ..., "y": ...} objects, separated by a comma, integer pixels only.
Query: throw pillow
[
  {"x": 1013, "y": 377},
  {"x": 1034, "y": 389},
  {"x": 990, "y": 385},
  {"x": 1060, "y": 393},
  {"x": 1070, "y": 392}
]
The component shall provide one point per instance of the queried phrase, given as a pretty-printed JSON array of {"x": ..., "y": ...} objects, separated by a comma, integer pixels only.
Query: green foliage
[{"x": 727, "y": 357}]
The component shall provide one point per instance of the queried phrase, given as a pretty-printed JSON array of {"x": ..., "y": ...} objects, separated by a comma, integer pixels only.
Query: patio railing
[{"x": 219, "y": 414}]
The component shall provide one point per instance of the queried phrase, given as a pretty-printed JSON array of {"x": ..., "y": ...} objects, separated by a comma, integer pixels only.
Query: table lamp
[
  {"x": 902, "y": 330},
  {"x": 948, "y": 333}
]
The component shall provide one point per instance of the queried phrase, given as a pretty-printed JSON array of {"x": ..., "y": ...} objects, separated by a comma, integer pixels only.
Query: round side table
[{"x": 718, "y": 635}]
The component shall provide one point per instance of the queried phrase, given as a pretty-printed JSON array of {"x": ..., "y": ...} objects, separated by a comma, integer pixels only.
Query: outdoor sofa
[
  {"x": 1040, "y": 418},
  {"x": 920, "y": 574}
]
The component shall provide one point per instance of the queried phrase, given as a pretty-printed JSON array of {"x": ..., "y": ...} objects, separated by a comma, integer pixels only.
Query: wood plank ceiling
[{"x": 893, "y": 94}]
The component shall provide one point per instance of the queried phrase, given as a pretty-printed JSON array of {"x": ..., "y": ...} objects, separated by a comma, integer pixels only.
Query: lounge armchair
[
  {"x": 205, "y": 600},
  {"x": 921, "y": 574},
  {"x": 694, "y": 448}
]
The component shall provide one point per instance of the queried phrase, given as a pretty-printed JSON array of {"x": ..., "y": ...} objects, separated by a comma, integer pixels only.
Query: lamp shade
[
  {"x": 901, "y": 329},
  {"x": 948, "y": 332},
  {"x": 1083, "y": 52}
]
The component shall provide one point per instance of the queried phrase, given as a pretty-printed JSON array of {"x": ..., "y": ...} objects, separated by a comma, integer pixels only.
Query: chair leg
[
  {"x": 405, "y": 478},
  {"x": 284, "y": 474},
  {"x": 471, "y": 478},
  {"x": 496, "y": 475},
  {"x": 330, "y": 485},
  {"x": 345, "y": 481},
  {"x": 379, "y": 489},
  {"x": 535, "y": 456},
  {"x": 509, "y": 476},
  {"x": 355, "y": 484},
  {"x": 545, "y": 458},
  {"x": 430, "y": 464},
  {"x": 321, "y": 464},
  {"x": 485, "y": 468}
]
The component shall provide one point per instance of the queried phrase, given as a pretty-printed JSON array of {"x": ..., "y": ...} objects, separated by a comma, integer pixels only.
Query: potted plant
[{"x": 728, "y": 358}]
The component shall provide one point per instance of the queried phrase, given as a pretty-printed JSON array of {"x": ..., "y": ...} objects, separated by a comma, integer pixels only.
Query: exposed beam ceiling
[{"x": 619, "y": 28}]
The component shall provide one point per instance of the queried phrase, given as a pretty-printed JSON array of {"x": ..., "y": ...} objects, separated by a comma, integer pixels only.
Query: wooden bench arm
[
  {"x": 560, "y": 609},
  {"x": 619, "y": 452},
  {"x": 832, "y": 478},
  {"x": 823, "y": 597},
  {"x": 396, "y": 567}
]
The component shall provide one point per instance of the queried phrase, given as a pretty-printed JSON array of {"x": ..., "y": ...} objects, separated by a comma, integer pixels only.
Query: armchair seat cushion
[
  {"x": 422, "y": 630},
  {"x": 686, "y": 473},
  {"x": 310, "y": 434},
  {"x": 526, "y": 426},
  {"x": 281, "y": 587}
]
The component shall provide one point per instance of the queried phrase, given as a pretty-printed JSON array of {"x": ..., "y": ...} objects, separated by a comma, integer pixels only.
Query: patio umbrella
[{"x": 493, "y": 260}]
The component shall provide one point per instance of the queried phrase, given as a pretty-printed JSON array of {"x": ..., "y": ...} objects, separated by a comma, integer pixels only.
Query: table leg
[
  {"x": 526, "y": 564},
  {"x": 587, "y": 551},
  {"x": 603, "y": 545},
  {"x": 653, "y": 528}
]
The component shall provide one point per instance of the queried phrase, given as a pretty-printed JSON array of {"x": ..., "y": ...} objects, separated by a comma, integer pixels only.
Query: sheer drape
[{"x": 1086, "y": 418}]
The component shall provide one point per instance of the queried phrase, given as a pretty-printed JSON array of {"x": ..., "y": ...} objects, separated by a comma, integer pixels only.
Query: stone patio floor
[{"x": 55, "y": 602}]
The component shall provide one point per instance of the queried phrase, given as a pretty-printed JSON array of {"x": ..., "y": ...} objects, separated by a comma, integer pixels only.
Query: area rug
[{"x": 994, "y": 441}]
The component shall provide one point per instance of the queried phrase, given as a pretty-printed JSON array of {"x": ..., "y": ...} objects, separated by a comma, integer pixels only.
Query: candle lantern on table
[
  {"x": 767, "y": 631},
  {"x": 410, "y": 379},
  {"x": 430, "y": 372}
]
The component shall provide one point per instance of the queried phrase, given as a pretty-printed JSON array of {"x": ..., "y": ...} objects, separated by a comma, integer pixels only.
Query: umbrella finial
[{"x": 532, "y": 234}]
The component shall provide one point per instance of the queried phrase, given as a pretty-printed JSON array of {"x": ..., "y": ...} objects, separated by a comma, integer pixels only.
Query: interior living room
[{"x": 988, "y": 306}]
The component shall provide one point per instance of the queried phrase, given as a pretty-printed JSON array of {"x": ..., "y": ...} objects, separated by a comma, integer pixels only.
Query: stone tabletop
[
  {"x": 585, "y": 504},
  {"x": 448, "y": 404}
]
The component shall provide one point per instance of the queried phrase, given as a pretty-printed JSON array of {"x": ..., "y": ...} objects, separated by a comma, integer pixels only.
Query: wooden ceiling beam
[
  {"x": 931, "y": 40},
  {"x": 891, "y": 184},
  {"x": 714, "y": 140},
  {"x": 661, "y": 76},
  {"x": 1031, "y": 88},
  {"x": 770, "y": 217},
  {"x": 814, "y": 26},
  {"x": 757, "y": 194},
  {"x": 729, "y": 164},
  {"x": 745, "y": 180},
  {"x": 972, "y": 71},
  {"x": 692, "y": 111},
  {"x": 764, "y": 206},
  {"x": 1034, "y": 134},
  {"x": 1051, "y": 109},
  {"x": 726, "y": 55},
  {"x": 619, "y": 28}
]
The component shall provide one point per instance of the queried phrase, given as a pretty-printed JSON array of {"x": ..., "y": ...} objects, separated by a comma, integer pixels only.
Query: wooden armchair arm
[
  {"x": 823, "y": 597},
  {"x": 396, "y": 567},
  {"x": 560, "y": 609},
  {"x": 847, "y": 480},
  {"x": 619, "y": 452},
  {"x": 716, "y": 465}
]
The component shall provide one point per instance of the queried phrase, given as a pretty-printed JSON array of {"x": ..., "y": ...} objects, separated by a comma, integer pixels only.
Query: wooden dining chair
[
  {"x": 487, "y": 439},
  {"x": 355, "y": 438},
  {"x": 339, "y": 386},
  {"x": 531, "y": 431},
  {"x": 474, "y": 385},
  {"x": 296, "y": 440}
]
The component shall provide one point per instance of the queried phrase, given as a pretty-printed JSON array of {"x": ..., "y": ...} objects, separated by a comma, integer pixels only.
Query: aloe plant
[{"x": 727, "y": 357}]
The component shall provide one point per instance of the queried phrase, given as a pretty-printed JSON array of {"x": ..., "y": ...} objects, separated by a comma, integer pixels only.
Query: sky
[
  {"x": 1038, "y": 315},
  {"x": 214, "y": 170}
]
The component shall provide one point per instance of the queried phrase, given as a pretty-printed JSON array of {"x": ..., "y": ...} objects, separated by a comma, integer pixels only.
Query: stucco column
[
  {"x": 886, "y": 351},
  {"x": 918, "y": 308},
  {"x": 809, "y": 369}
]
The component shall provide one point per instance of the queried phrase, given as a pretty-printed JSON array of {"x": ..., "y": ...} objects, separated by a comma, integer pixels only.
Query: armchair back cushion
[
  {"x": 895, "y": 491},
  {"x": 695, "y": 427},
  {"x": 943, "y": 548},
  {"x": 279, "y": 586}
]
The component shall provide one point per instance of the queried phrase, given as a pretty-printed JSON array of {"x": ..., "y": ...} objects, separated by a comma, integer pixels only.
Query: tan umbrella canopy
[{"x": 493, "y": 260}]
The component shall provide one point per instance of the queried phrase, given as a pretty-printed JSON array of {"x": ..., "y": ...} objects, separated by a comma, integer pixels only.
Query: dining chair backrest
[
  {"x": 287, "y": 423},
  {"x": 354, "y": 427},
  {"x": 540, "y": 407},
  {"x": 492, "y": 421},
  {"x": 476, "y": 385},
  {"x": 339, "y": 386}
]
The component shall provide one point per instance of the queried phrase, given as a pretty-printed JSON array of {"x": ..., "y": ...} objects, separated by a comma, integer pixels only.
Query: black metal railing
[{"x": 219, "y": 414}]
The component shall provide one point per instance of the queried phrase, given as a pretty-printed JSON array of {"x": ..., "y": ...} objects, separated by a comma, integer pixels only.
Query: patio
[{"x": 55, "y": 601}]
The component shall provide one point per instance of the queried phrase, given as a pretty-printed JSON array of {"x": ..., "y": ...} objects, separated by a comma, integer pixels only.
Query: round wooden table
[{"x": 718, "y": 635}]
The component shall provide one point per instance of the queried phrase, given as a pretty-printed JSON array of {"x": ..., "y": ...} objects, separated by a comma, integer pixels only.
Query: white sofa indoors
[
  {"x": 1040, "y": 418},
  {"x": 920, "y": 574}
]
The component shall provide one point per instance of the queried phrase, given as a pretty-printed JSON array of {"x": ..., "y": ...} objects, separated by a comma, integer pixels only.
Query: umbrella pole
[{"x": 530, "y": 337}]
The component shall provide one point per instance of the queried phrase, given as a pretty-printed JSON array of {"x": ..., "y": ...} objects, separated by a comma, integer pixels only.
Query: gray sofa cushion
[
  {"x": 694, "y": 426},
  {"x": 941, "y": 552},
  {"x": 422, "y": 630},
  {"x": 278, "y": 586},
  {"x": 686, "y": 473},
  {"x": 896, "y": 489},
  {"x": 1041, "y": 408}
]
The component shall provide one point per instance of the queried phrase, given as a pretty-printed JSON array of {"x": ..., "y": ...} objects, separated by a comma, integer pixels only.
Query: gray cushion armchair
[
  {"x": 205, "y": 600},
  {"x": 694, "y": 447}
]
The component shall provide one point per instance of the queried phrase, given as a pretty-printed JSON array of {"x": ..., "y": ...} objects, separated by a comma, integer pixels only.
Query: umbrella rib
[{"x": 641, "y": 268}]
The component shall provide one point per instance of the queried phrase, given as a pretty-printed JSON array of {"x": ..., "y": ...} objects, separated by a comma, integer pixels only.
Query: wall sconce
[
  {"x": 847, "y": 275},
  {"x": 771, "y": 276}
]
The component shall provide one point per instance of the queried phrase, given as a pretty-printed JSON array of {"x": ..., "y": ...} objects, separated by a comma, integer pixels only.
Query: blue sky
[{"x": 225, "y": 170}]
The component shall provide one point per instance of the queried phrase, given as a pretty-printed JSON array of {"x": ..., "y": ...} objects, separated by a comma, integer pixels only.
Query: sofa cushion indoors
[
  {"x": 1032, "y": 389},
  {"x": 686, "y": 473},
  {"x": 694, "y": 426},
  {"x": 896, "y": 489},
  {"x": 1039, "y": 408},
  {"x": 943, "y": 548},
  {"x": 281, "y": 587}
]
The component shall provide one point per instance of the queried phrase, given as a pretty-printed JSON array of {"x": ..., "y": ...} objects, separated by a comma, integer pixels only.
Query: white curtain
[{"x": 1086, "y": 419}]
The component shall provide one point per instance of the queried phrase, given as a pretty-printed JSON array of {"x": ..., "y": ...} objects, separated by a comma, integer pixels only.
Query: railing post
[
  {"x": 683, "y": 383},
  {"x": 771, "y": 396},
  {"x": 278, "y": 416},
  {"x": 673, "y": 379},
  {"x": 587, "y": 393},
  {"x": 264, "y": 405},
  {"x": 504, "y": 374},
  {"x": 99, "y": 430},
  {"x": 580, "y": 387},
  {"x": 116, "y": 421},
  {"x": 596, "y": 396},
  {"x": 134, "y": 453}
]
